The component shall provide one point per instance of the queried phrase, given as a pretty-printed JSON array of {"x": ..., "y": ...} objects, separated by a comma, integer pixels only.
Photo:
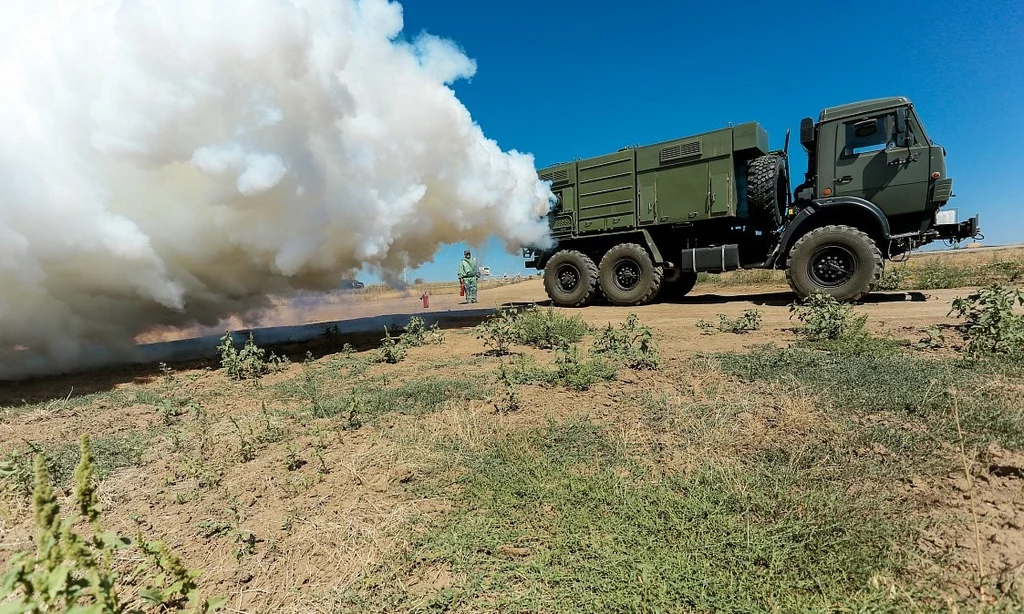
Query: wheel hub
[
  {"x": 568, "y": 277},
  {"x": 832, "y": 266},
  {"x": 626, "y": 275}
]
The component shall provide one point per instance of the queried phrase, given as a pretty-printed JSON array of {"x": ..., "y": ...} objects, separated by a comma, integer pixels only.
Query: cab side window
[{"x": 869, "y": 134}]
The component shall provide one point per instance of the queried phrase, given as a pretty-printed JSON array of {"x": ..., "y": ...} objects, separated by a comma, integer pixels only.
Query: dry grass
[{"x": 432, "y": 500}]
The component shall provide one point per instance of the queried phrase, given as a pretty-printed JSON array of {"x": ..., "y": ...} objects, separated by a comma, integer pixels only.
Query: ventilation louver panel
[
  {"x": 680, "y": 151},
  {"x": 556, "y": 176}
]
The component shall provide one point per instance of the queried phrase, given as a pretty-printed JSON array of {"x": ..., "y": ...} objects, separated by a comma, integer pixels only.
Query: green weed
[
  {"x": 568, "y": 369},
  {"x": 498, "y": 332},
  {"x": 510, "y": 401},
  {"x": 391, "y": 351},
  {"x": 109, "y": 454},
  {"x": 548, "y": 329},
  {"x": 71, "y": 572},
  {"x": 748, "y": 321},
  {"x": 632, "y": 344},
  {"x": 991, "y": 327},
  {"x": 250, "y": 362},
  {"x": 417, "y": 334},
  {"x": 893, "y": 278}
]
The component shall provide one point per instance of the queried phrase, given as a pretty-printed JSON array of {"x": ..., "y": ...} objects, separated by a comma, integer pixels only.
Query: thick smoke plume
[{"x": 174, "y": 162}]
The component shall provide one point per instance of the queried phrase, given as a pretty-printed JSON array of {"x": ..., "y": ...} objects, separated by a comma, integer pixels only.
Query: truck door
[{"x": 875, "y": 162}]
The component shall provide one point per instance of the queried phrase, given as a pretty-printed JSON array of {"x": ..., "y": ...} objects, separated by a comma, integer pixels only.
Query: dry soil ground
[{"x": 745, "y": 473}]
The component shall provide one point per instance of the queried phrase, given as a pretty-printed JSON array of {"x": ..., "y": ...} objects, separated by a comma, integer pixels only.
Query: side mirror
[
  {"x": 901, "y": 120},
  {"x": 806, "y": 132}
]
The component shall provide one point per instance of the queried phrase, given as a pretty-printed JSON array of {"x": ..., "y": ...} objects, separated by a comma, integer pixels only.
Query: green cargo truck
[{"x": 642, "y": 222}]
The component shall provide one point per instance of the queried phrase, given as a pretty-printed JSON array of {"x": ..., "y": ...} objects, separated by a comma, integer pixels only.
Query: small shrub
[
  {"x": 416, "y": 333},
  {"x": 249, "y": 363},
  {"x": 991, "y": 327},
  {"x": 933, "y": 339},
  {"x": 498, "y": 332},
  {"x": 392, "y": 351},
  {"x": 826, "y": 319},
  {"x": 311, "y": 386},
  {"x": 570, "y": 370},
  {"x": 510, "y": 401},
  {"x": 748, "y": 321},
  {"x": 548, "y": 329},
  {"x": 69, "y": 572},
  {"x": 579, "y": 374},
  {"x": 631, "y": 343},
  {"x": 893, "y": 278},
  {"x": 937, "y": 275},
  {"x": 15, "y": 476},
  {"x": 246, "y": 438}
]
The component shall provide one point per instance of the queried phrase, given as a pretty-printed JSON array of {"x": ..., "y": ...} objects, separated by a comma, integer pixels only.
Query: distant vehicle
[
  {"x": 352, "y": 284},
  {"x": 485, "y": 270}
]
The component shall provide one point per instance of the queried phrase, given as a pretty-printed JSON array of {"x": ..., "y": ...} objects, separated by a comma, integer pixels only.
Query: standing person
[{"x": 468, "y": 274}]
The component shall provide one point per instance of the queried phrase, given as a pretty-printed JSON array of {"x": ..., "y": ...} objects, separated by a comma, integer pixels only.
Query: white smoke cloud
[{"x": 174, "y": 162}]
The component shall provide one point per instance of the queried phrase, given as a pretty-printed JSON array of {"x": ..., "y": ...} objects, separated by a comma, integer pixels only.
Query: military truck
[{"x": 641, "y": 223}]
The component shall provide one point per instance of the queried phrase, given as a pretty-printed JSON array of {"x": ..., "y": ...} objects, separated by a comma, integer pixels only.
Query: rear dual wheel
[{"x": 628, "y": 275}]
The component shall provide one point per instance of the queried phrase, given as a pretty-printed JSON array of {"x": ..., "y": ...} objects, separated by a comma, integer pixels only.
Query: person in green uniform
[{"x": 468, "y": 274}]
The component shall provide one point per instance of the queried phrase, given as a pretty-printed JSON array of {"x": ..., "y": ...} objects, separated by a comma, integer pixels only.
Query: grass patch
[
  {"x": 749, "y": 320},
  {"x": 418, "y": 397},
  {"x": 117, "y": 399},
  {"x": 907, "y": 385},
  {"x": 544, "y": 329},
  {"x": 946, "y": 273},
  {"x": 376, "y": 398},
  {"x": 109, "y": 455},
  {"x": 558, "y": 519},
  {"x": 752, "y": 277},
  {"x": 548, "y": 329},
  {"x": 569, "y": 369}
]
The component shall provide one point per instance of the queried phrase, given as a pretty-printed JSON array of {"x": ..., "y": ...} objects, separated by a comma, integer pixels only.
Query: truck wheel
[
  {"x": 678, "y": 287},
  {"x": 628, "y": 277},
  {"x": 766, "y": 188},
  {"x": 838, "y": 260},
  {"x": 570, "y": 279}
]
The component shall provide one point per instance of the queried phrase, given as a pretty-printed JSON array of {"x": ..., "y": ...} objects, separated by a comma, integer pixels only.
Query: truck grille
[{"x": 682, "y": 150}]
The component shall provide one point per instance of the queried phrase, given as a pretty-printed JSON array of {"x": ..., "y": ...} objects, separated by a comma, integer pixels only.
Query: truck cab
[{"x": 876, "y": 154}]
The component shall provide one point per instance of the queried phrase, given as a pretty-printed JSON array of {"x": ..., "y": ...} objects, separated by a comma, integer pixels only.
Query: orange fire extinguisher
[{"x": 462, "y": 287}]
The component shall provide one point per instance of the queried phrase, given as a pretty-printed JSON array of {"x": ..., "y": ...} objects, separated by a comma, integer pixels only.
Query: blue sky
[{"x": 566, "y": 79}]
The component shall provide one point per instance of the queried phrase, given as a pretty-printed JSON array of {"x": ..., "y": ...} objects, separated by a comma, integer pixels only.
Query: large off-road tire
[
  {"x": 678, "y": 287},
  {"x": 838, "y": 260},
  {"x": 628, "y": 276},
  {"x": 766, "y": 189},
  {"x": 570, "y": 279}
]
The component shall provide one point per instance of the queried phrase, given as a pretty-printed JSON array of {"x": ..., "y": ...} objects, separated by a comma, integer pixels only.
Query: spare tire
[{"x": 766, "y": 189}]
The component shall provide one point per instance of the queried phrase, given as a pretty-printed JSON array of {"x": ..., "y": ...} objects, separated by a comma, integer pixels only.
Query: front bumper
[{"x": 948, "y": 228}]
